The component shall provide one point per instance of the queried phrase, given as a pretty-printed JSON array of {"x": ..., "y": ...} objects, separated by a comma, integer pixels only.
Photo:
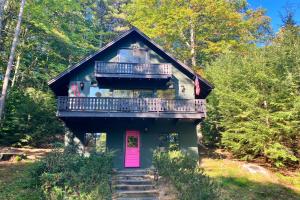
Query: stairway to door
[{"x": 134, "y": 184}]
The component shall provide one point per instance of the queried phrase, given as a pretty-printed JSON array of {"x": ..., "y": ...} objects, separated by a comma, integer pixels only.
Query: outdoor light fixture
[
  {"x": 81, "y": 85},
  {"x": 182, "y": 89}
]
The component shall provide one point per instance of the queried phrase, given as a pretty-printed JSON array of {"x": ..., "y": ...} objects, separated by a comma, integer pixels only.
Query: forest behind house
[{"x": 253, "y": 111}]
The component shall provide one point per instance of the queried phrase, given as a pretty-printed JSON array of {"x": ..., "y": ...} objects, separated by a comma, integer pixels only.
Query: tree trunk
[
  {"x": 2, "y": 5},
  {"x": 193, "y": 45},
  {"x": 16, "y": 71},
  {"x": 10, "y": 60}
]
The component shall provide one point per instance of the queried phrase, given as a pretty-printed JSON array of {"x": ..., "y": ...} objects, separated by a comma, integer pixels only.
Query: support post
[
  {"x": 76, "y": 139},
  {"x": 200, "y": 143}
]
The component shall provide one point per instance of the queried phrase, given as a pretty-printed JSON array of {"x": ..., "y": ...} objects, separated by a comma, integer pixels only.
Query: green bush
[
  {"x": 69, "y": 175},
  {"x": 187, "y": 177},
  {"x": 280, "y": 155},
  {"x": 255, "y": 104},
  {"x": 30, "y": 118}
]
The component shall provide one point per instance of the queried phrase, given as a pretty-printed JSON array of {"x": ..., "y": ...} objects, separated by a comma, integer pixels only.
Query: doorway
[{"x": 132, "y": 149}]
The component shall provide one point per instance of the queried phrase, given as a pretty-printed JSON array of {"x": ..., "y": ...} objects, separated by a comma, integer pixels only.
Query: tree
[
  {"x": 256, "y": 101},
  {"x": 2, "y": 5},
  {"x": 198, "y": 31},
  {"x": 30, "y": 118},
  {"x": 54, "y": 35},
  {"x": 10, "y": 60}
]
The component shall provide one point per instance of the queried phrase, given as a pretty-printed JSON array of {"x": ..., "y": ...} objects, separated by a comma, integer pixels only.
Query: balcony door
[{"x": 132, "y": 150}]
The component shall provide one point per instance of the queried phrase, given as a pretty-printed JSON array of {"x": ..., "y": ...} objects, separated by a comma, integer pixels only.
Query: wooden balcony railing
[
  {"x": 131, "y": 105},
  {"x": 132, "y": 70}
]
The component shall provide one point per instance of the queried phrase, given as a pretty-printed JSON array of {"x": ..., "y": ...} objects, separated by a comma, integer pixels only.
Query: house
[{"x": 140, "y": 96}]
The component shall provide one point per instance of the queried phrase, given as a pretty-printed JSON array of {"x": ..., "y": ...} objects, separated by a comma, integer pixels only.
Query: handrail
[
  {"x": 132, "y": 68},
  {"x": 110, "y": 104}
]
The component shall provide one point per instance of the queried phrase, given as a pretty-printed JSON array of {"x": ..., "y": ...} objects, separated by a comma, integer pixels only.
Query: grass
[
  {"x": 15, "y": 182},
  {"x": 237, "y": 183}
]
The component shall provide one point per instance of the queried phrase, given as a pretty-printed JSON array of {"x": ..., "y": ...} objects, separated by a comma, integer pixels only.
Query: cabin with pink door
[{"x": 131, "y": 97}]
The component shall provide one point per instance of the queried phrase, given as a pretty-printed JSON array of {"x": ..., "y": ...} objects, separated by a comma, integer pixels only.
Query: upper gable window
[{"x": 133, "y": 55}]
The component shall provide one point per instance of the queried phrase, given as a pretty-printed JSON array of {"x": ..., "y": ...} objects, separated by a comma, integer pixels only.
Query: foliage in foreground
[
  {"x": 69, "y": 175},
  {"x": 256, "y": 101},
  {"x": 30, "y": 118},
  {"x": 187, "y": 177}
]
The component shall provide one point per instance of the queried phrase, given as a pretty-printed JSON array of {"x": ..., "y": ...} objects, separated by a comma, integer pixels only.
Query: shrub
[
  {"x": 69, "y": 175},
  {"x": 280, "y": 155},
  {"x": 256, "y": 101},
  {"x": 29, "y": 118},
  {"x": 187, "y": 177}
]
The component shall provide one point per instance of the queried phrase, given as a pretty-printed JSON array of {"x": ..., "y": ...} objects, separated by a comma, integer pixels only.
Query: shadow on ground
[{"x": 243, "y": 189}]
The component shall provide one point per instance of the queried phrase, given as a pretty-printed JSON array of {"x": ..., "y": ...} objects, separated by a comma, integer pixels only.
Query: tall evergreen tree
[{"x": 256, "y": 101}]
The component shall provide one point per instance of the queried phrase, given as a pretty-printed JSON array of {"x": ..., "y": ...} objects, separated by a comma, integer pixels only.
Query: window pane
[
  {"x": 169, "y": 141},
  {"x": 123, "y": 93},
  {"x": 166, "y": 94},
  {"x": 132, "y": 55},
  {"x": 163, "y": 140},
  {"x": 139, "y": 55},
  {"x": 143, "y": 93},
  {"x": 95, "y": 142},
  {"x": 173, "y": 142},
  {"x": 99, "y": 92},
  {"x": 132, "y": 141},
  {"x": 125, "y": 55}
]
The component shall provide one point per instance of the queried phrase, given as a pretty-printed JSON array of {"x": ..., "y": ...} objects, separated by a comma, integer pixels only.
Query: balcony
[
  {"x": 132, "y": 70},
  {"x": 131, "y": 107}
]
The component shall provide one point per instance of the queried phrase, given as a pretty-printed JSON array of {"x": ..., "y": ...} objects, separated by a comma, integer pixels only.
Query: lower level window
[
  {"x": 169, "y": 141},
  {"x": 96, "y": 142}
]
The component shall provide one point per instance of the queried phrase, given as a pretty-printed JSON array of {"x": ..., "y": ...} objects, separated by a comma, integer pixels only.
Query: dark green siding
[
  {"x": 150, "y": 139},
  {"x": 150, "y": 129},
  {"x": 179, "y": 79}
]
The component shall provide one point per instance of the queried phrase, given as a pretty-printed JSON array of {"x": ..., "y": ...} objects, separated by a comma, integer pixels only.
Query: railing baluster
[
  {"x": 100, "y": 104},
  {"x": 132, "y": 68}
]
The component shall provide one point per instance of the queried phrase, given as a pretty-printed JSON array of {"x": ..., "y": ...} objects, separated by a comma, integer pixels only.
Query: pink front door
[{"x": 132, "y": 151}]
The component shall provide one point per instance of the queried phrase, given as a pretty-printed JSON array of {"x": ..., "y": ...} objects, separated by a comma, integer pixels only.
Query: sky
[{"x": 275, "y": 7}]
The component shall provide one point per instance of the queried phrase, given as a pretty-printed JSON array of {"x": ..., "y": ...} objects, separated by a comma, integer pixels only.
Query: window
[
  {"x": 173, "y": 142},
  {"x": 100, "y": 92},
  {"x": 166, "y": 94},
  {"x": 132, "y": 55},
  {"x": 96, "y": 142},
  {"x": 123, "y": 93},
  {"x": 132, "y": 141},
  {"x": 169, "y": 141},
  {"x": 143, "y": 93},
  {"x": 163, "y": 141}
]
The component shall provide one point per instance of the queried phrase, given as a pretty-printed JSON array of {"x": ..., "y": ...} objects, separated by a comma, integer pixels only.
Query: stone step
[
  {"x": 139, "y": 198},
  {"x": 134, "y": 187},
  {"x": 132, "y": 182},
  {"x": 132, "y": 177},
  {"x": 135, "y": 194},
  {"x": 134, "y": 171}
]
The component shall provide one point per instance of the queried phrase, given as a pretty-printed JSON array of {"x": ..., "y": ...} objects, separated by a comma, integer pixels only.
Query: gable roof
[{"x": 181, "y": 66}]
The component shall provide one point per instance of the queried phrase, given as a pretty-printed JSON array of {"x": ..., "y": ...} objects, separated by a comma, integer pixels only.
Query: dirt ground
[{"x": 29, "y": 153}]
